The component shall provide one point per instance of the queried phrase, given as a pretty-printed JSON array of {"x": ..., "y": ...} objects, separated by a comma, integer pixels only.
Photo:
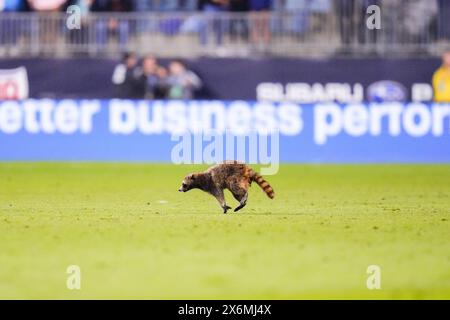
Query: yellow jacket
[{"x": 441, "y": 85}]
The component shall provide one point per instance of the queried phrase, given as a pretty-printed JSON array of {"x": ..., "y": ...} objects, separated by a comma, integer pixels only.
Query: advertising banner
[
  {"x": 163, "y": 131},
  {"x": 268, "y": 79},
  {"x": 13, "y": 84}
]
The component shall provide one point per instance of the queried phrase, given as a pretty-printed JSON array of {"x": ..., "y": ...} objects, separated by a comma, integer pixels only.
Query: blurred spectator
[
  {"x": 188, "y": 5},
  {"x": 112, "y": 26},
  {"x": 238, "y": 24},
  {"x": 366, "y": 35},
  {"x": 352, "y": 17},
  {"x": 444, "y": 18},
  {"x": 165, "y": 5},
  {"x": 152, "y": 81},
  {"x": 346, "y": 18},
  {"x": 163, "y": 86},
  {"x": 441, "y": 80},
  {"x": 46, "y": 5},
  {"x": 124, "y": 78},
  {"x": 212, "y": 20},
  {"x": 50, "y": 26},
  {"x": 320, "y": 6},
  {"x": 84, "y": 6},
  {"x": 12, "y": 5},
  {"x": 319, "y": 11},
  {"x": 418, "y": 17},
  {"x": 143, "y": 5},
  {"x": 81, "y": 35},
  {"x": 260, "y": 31},
  {"x": 390, "y": 16},
  {"x": 300, "y": 15},
  {"x": 148, "y": 77},
  {"x": 169, "y": 5},
  {"x": 8, "y": 24},
  {"x": 183, "y": 82},
  {"x": 213, "y": 5}
]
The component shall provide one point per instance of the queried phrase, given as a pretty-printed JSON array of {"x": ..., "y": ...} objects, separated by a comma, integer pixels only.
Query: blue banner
[{"x": 125, "y": 130}]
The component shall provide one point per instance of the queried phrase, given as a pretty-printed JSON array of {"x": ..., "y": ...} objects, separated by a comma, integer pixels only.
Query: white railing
[{"x": 190, "y": 34}]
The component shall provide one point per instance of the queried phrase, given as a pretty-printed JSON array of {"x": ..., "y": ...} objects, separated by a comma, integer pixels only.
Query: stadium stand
[{"x": 191, "y": 28}]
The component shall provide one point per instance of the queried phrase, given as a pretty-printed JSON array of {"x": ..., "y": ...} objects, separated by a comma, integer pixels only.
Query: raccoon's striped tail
[{"x": 263, "y": 184}]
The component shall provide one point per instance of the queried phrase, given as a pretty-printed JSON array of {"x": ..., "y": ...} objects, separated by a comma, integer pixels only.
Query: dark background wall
[{"x": 224, "y": 78}]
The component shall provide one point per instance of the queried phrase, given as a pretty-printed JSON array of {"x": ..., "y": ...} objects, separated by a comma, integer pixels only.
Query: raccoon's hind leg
[
  {"x": 218, "y": 194},
  {"x": 240, "y": 194},
  {"x": 242, "y": 202}
]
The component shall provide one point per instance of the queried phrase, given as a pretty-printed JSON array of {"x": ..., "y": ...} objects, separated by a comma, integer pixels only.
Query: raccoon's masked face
[{"x": 188, "y": 183}]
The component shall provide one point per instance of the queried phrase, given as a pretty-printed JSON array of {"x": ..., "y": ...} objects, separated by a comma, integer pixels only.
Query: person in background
[
  {"x": 111, "y": 25},
  {"x": 238, "y": 24},
  {"x": 148, "y": 77},
  {"x": 320, "y": 10},
  {"x": 210, "y": 8},
  {"x": 183, "y": 82},
  {"x": 152, "y": 81},
  {"x": 162, "y": 87},
  {"x": 260, "y": 29},
  {"x": 9, "y": 23},
  {"x": 81, "y": 35},
  {"x": 441, "y": 80},
  {"x": 417, "y": 20},
  {"x": 46, "y": 5},
  {"x": 300, "y": 16},
  {"x": 12, "y": 5},
  {"x": 347, "y": 23},
  {"x": 124, "y": 77},
  {"x": 444, "y": 18},
  {"x": 391, "y": 14},
  {"x": 366, "y": 35},
  {"x": 50, "y": 26}
]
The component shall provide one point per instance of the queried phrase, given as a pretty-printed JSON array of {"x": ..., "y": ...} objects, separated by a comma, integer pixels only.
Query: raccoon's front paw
[{"x": 226, "y": 208}]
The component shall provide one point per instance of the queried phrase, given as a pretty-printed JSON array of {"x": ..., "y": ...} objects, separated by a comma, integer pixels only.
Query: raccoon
[{"x": 234, "y": 176}]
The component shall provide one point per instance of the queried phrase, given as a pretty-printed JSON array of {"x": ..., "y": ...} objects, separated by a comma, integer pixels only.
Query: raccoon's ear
[{"x": 193, "y": 176}]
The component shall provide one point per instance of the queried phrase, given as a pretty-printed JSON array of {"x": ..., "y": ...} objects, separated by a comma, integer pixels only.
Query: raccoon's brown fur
[{"x": 231, "y": 175}]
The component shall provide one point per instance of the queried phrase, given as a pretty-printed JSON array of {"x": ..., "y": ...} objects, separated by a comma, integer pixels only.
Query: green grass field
[{"x": 134, "y": 236}]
